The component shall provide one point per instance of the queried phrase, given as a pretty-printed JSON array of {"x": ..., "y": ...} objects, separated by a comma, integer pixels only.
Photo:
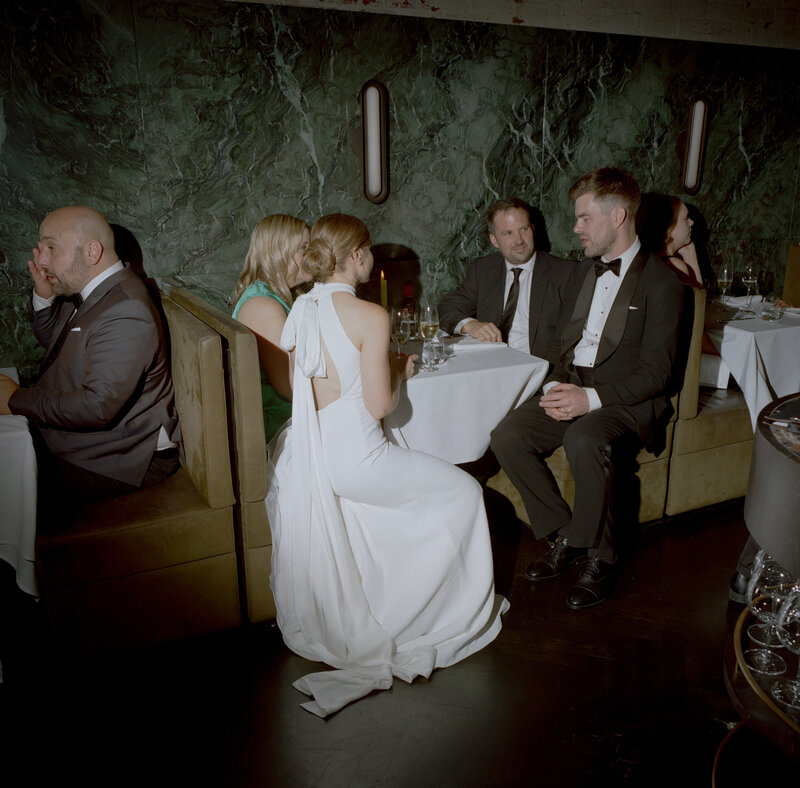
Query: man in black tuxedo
[
  {"x": 607, "y": 396},
  {"x": 103, "y": 405},
  {"x": 512, "y": 295}
]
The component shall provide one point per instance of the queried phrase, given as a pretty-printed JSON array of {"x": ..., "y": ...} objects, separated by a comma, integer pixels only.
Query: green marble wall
[{"x": 186, "y": 122}]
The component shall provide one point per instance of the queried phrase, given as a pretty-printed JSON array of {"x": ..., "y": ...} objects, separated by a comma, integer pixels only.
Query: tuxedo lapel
[
  {"x": 100, "y": 291},
  {"x": 574, "y": 329},
  {"x": 618, "y": 316}
]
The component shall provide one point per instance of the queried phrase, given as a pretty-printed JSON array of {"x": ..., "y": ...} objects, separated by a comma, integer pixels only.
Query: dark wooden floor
[{"x": 630, "y": 693}]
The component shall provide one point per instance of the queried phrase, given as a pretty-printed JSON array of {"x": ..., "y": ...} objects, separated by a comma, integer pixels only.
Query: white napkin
[{"x": 470, "y": 343}]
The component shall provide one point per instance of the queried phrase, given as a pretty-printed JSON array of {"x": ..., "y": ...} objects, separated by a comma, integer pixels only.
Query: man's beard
[{"x": 73, "y": 277}]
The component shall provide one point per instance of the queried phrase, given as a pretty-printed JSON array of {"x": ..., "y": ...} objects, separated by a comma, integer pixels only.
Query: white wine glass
[
  {"x": 428, "y": 326},
  {"x": 750, "y": 280},
  {"x": 787, "y": 691},
  {"x": 724, "y": 280},
  {"x": 401, "y": 327}
]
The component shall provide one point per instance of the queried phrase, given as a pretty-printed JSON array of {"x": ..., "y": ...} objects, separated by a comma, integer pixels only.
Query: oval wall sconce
[
  {"x": 375, "y": 148},
  {"x": 695, "y": 146}
]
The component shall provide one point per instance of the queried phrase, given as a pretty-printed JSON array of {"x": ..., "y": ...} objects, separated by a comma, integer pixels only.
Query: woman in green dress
[{"x": 263, "y": 298}]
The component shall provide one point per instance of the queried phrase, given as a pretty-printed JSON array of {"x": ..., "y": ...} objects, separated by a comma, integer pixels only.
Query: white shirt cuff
[
  {"x": 41, "y": 303},
  {"x": 461, "y": 324},
  {"x": 594, "y": 399}
]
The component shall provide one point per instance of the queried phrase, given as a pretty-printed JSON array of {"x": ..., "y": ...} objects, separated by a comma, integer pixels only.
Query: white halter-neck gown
[{"x": 381, "y": 562}]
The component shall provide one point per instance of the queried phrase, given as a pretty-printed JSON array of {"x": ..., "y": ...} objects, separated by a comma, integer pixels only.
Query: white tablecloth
[
  {"x": 763, "y": 356},
  {"x": 451, "y": 412},
  {"x": 18, "y": 497}
]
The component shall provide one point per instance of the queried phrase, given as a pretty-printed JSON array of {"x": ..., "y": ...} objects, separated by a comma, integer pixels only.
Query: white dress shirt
[
  {"x": 518, "y": 333},
  {"x": 605, "y": 291}
]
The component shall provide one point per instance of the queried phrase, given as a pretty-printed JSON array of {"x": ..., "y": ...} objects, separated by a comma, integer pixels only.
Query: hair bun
[{"x": 319, "y": 259}]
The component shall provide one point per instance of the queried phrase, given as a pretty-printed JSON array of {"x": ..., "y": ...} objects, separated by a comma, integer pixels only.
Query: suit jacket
[
  {"x": 638, "y": 359},
  {"x": 482, "y": 294},
  {"x": 102, "y": 401}
]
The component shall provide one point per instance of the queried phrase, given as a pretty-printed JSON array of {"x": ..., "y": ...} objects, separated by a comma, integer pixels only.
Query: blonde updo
[{"x": 333, "y": 239}]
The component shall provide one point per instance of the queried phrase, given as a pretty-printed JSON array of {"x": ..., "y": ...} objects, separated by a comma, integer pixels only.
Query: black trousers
[{"x": 598, "y": 446}]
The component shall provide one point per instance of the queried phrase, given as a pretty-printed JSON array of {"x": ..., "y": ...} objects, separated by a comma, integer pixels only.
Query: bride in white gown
[{"x": 381, "y": 562}]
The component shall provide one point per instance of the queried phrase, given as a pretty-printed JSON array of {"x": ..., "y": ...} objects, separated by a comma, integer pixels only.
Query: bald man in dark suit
[{"x": 103, "y": 406}]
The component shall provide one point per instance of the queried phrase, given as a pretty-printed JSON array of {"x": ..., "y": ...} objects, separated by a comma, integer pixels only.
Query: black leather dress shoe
[
  {"x": 555, "y": 562},
  {"x": 738, "y": 589},
  {"x": 593, "y": 586}
]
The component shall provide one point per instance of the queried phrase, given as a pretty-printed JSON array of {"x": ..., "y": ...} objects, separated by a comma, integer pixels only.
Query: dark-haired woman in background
[{"x": 665, "y": 229}]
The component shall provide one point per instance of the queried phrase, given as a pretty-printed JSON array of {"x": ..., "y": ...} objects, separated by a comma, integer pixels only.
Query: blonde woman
[
  {"x": 263, "y": 298},
  {"x": 381, "y": 563}
]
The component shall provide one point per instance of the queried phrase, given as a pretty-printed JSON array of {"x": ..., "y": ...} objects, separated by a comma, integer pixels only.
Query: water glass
[{"x": 770, "y": 309}]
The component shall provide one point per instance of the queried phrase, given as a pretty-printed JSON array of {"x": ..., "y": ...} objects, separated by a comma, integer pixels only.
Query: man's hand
[
  {"x": 565, "y": 401},
  {"x": 485, "y": 332},
  {"x": 7, "y": 388},
  {"x": 42, "y": 287}
]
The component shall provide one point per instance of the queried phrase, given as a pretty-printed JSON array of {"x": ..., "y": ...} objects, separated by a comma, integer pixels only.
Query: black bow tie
[{"x": 600, "y": 266}]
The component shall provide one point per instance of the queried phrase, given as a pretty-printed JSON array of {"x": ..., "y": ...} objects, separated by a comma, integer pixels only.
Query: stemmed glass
[
  {"x": 428, "y": 326},
  {"x": 787, "y": 691},
  {"x": 724, "y": 280},
  {"x": 768, "y": 586},
  {"x": 401, "y": 327},
  {"x": 750, "y": 280}
]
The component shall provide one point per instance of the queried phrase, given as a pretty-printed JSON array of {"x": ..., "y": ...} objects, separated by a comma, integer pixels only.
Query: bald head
[
  {"x": 86, "y": 224},
  {"x": 75, "y": 245}
]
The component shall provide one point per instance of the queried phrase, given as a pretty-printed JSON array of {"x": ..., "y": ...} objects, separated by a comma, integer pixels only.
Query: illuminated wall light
[
  {"x": 695, "y": 146},
  {"x": 375, "y": 129}
]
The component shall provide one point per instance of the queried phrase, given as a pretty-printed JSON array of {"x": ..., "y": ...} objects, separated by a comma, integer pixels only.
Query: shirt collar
[
  {"x": 526, "y": 266},
  {"x": 102, "y": 276},
  {"x": 626, "y": 258}
]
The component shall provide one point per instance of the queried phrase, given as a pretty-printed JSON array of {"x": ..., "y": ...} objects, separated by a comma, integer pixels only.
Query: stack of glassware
[{"x": 773, "y": 595}]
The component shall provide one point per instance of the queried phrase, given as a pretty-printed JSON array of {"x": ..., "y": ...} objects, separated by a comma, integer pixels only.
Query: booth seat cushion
[
  {"x": 155, "y": 606},
  {"x": 722, "y": 419},
  {"x": 706, "y": 477},
  {"x": 170, "y": 524}
]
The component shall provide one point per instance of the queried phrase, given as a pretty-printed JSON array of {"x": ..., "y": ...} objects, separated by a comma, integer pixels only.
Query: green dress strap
[{"x": 257, "y": 288}]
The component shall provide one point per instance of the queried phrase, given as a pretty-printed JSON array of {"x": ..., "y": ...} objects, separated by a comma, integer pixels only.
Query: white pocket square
[
  {"x": 630, "y": 307},
  {"x": 77, "y": 328}
]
